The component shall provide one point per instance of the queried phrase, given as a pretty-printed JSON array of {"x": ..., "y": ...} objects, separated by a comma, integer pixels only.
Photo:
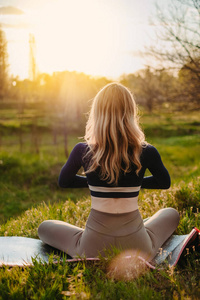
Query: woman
[{"x": 114, "y": 157}]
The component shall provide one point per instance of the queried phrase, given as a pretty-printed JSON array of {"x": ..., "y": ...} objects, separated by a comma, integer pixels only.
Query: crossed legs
[
  {"x": 161, "y": 226},
  {"x": 68, "y": 238},
  {"x": 60, "y": 235}
]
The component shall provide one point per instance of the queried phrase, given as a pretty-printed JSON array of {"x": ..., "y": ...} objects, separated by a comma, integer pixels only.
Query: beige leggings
[{"x": 103, "y": 230}]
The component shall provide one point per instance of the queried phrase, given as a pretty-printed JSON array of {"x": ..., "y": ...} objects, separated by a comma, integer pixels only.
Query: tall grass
[
  {"x": 93, "y": 280},
  {"x": 29, "y": 194},
  {"x": 28, "y": 178}
]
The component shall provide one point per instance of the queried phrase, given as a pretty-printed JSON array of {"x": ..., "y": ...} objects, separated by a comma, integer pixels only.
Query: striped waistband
[{"x": 114, "y": 192}]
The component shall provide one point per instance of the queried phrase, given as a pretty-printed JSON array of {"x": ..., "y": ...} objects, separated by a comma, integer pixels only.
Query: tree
[
  {"x": 178, "y": 42},
  {"x": 189, "y": 85},
  {"x": 3, "y": 64},
  {"x": 151, "y": 88}
]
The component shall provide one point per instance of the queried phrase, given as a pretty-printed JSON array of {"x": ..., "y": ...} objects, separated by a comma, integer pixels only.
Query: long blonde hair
[{"x": 113, "y": 135}]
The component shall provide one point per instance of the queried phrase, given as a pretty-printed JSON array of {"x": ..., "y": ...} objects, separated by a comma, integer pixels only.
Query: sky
[{"x": 97, "y": 37}]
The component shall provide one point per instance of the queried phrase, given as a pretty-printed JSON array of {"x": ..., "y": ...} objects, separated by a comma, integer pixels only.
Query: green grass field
[{"x": 29, "y": 194}]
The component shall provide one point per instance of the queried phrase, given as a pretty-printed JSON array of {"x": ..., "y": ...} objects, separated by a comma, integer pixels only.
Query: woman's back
[{"x": 109, "y": 197}]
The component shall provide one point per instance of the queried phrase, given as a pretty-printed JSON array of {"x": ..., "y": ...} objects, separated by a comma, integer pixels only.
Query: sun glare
[
  {"x": 91, "y": 36},
  {"x": 85, "y": 36},
  {"x": 73, "y": 36}
]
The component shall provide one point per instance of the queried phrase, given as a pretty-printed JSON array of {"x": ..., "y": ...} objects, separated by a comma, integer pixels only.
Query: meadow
[{"x": 29, "y": 194}]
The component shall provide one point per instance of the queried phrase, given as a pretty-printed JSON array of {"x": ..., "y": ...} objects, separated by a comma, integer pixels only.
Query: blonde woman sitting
[{"x": 114, "y": 157}]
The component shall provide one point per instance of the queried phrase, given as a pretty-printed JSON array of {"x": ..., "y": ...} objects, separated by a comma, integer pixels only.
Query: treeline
[
  {"x": 173, "y": 85},
  {"x": 64, "y": 98},
  {"x": 153, "y": 89},
  {"x": 59, "y": 103}
]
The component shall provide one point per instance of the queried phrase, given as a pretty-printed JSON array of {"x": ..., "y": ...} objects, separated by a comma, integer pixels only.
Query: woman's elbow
[
  {"x": 167, "y": 184},
  {"x": 62, "y": 183}
]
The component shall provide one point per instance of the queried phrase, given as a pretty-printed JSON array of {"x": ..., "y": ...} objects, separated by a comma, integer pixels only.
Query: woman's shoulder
[
  {"x": 149, "y": 152},
  {"x": 78, "y": 152},
  {"x": 146, "y": 148},
  {"x": 80, "y": 148}
]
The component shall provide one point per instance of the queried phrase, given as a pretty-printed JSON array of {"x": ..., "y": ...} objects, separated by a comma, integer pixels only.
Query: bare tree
[
  {"x": 3, "y": 64},
  {"x": 178, "y": 35},
  {"x": 178, "y": 43}
]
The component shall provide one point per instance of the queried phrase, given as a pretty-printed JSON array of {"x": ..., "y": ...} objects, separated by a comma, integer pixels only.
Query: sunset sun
[
  {"x": 94, "y": 37},
  {"x": 86, "y": 37}
]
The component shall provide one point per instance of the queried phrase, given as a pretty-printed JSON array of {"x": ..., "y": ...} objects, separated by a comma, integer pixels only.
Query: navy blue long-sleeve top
[{"x": 150, "y": 159}]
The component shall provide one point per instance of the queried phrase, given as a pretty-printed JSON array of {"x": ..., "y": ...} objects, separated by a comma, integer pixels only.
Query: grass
[
  {"x": 29, "y": 194},
  {"x": 93, "y": 280},
  {"x": 28, "y": 179}
]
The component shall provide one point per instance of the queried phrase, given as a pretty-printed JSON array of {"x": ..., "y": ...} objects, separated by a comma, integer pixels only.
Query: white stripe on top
[
  {"x": 113, "y": 205},
  {"x": 123, "y": 189}
]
